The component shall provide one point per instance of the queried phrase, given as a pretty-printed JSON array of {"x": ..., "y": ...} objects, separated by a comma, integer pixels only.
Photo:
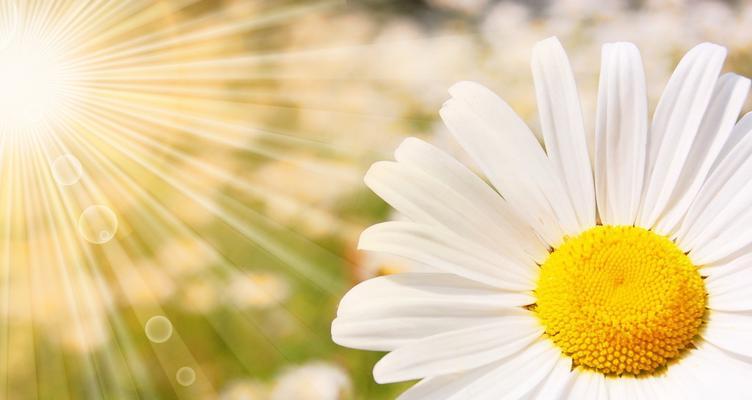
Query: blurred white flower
[
  {"x": 258, "y": 290},
  {"x": 184, "y": 256},
  {"x": 245, "y": 390},
  {"x": 312, "y": 381},
  {"x": 144, "y": 284},
  {"x": 471, "y": 7},
  {"x": 198, "y": 296}
]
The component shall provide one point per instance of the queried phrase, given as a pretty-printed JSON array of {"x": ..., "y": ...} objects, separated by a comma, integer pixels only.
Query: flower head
[{"x": 604, "y": 265}]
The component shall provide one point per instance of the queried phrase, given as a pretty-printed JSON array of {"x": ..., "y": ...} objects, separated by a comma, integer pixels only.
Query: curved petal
[
  {"x": 511, "y": 373},
  {"x": 718, "y": 270},
  {"x": 445, "y": 387},
  {"x": 437, "y": 163},
  {"x": 448, "y": 252},
  {"x": 675, "y": 125},
  {"x": 389, "y": 333},
  {"x": 727, "y": 101},
  {"x": 562, "y": 127},
  {"x": 712, "y": 373},
  {"x": 720, "y": 200},
  {"x": 457, "y": 295},
  {"x": 624, "y": 388},
  {"x": 511, "y": 158},
  {"x": 428, "y": 200},
  {"x": 459, "y": 350},
  {"x": 588, "y": 385},
  {"x": 517, "y": 376},
  {"x": 388, "y": 312},
  {"x": 620, "y": 134},
  {"x": 729, "y": 331},
  {"x": 681, "y": 382},
  {"x": 557, "y": 382},
  {"x": 728, "y": 285}
]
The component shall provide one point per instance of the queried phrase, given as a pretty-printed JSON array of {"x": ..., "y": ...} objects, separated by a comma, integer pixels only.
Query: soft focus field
[{"x": 229, "y": 140}]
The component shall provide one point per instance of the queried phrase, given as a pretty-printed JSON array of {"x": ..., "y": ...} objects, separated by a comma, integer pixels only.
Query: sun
[{"x": 33, "y": 79}]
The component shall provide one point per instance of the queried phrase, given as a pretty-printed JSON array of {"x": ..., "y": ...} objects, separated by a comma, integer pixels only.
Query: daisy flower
[{"x": 605, "y": 265}]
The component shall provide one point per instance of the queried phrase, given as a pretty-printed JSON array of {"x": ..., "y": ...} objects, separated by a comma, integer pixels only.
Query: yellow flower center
[{"x": 620, "y": 299}]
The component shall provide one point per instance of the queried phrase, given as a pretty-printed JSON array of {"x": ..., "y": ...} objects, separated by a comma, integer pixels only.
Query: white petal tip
[
  {"x": 381, "y": 373},
  {"x": 547, "y": 42},
  {"x": 707, "y": 47},
  {"x": 466, "y": 88},
  {"x": 364, "y": 241},
  {"x": 621, "y": 45},
  {"x": 408, "y": 143},
  {"x": 375, "y": 171}
]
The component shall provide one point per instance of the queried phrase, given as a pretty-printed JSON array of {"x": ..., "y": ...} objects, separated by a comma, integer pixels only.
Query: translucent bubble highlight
[
  {"x": 98, "y": 224},
  {"x": 158, "y": 329},
  {"x": 185, "y": 376},
  {"x": 66, "y": 170}
]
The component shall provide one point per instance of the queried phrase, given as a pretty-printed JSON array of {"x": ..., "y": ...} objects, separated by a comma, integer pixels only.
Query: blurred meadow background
[{"x": 182, "y": 192}]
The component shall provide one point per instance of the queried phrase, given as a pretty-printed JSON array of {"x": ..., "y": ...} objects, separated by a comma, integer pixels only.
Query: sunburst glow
[
  {"x": 33, "y": 79},
  {"x": 123, "y": 125}
]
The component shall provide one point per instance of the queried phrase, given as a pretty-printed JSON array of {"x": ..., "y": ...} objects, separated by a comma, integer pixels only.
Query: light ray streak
[
  {"x": 137, "y": 365},
  {"x": 25, "y": 331},
  {"x": 165, "y": 118},
  {"x": 118, "y": 255},
  {"x": 125, "y": 125},
  {"x": 124, "y": 344},
  {"x": 166, "y": 219},
  {"x": 83, "y": 143},
  {"x": 54, "y": 256},
  {"x": 302, "y": 266},
  {"x": 62, "y": 233},
  {"x": 204, "y": 167},
  {"x": 225, "y": 29}
]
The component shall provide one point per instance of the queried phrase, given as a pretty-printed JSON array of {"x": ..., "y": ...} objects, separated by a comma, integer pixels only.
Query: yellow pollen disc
[{"x": 620, "y": 299}]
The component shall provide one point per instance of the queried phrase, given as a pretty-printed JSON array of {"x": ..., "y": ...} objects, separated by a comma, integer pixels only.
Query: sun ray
[{"x": 122, "y": 108}]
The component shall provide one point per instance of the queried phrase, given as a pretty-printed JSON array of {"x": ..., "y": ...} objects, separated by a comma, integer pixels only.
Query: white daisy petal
[
  {"x": 588, "y": 385},
  {"x": 428, "y": 200},
  {"x": 675, "y": 124},
  {"x": 729, "y": 331},
  {"x": 710, "y": 212},
  {"x": 437, "y": 163},
  {"x": 459, "y": 350},
  {"x": 620, "y": 134},
  {"x": 562, "y": 126},
  {"x": 556, "y": 383},
  {"x": 445, "y": 387},
  {"x": 728, "y": 285},
  {"x": 719, "y": 270},
  {"x": 387, "y": 334},
  {"x": 480, "y": 380},
  {"x": 681, "y": 383},
  {"x": 738, "y": 133},
  {"x": 717, "y": 124},
  {"x": 511, "y": 158},
  {"x": 516, "y": 376},
  {"x": 717, "y": 375},
  {"x": 659, "y": 387},
  {"x": 427, "y": 289},
  {"x": 622, "y": 389},
  {"x": 387, "y": 312},
  {"x": 448, "y": 252}
]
